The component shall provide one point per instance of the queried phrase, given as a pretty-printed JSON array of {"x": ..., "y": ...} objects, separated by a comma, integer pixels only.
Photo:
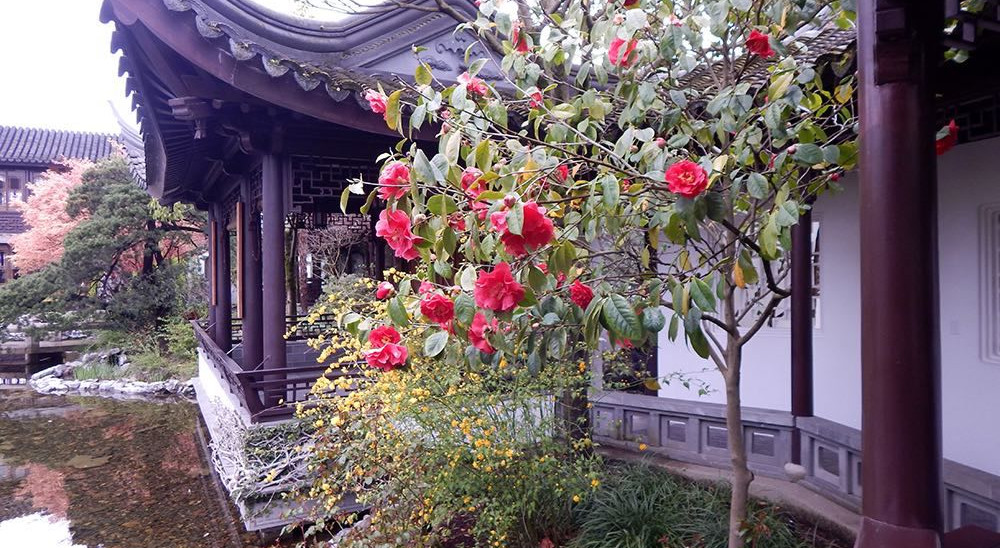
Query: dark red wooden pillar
[
  {"x": 210, "y": 270},
  {"x": 253, "y": 335},
  {"x": 802, "y": 326},
  {"x": 897, "y": 51},
  {"x": 223, "y": 331},
  {"x": 273, "y": 261}
]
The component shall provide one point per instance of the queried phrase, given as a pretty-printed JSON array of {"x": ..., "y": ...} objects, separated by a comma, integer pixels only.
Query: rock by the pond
[
  {"x": 54, "y": 371},
  {"x": 121, "y": 387}
]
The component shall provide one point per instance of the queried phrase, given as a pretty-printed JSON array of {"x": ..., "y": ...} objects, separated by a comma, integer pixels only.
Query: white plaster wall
[
  {"x": 837, "y": 342},
  {"x": 766, "y": 379},
  {"x": 969, "y": 177}
]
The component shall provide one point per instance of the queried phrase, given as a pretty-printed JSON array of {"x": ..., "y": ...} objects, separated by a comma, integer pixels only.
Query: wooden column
[
  {"x": 898, "y": 48},
  {"x": 253, "y": 335},
  {"x": 223, "y": 331},
  {"x": 210, "y": 270},
  {"x": 802, "y": 326},
  {"x": 273, "y": 261}
]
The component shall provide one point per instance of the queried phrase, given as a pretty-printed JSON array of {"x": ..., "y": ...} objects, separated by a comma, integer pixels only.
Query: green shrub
[
  {"x": 98, "y": 371},
  {"x": 641, "y": 506}
]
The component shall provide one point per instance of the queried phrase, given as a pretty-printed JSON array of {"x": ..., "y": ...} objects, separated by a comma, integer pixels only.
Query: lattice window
[{"x": 990, "y": 272}]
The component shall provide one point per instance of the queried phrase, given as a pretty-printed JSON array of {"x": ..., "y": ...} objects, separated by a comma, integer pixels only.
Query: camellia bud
[
  {"x": 619, "y": 18},
  {"x": 660, "y": 142},
  {"x": 510, "y": 200},
  {"x": 835, "y": 177},
  {"x": 792, "y": 149},
  {"x": 419, "y": 219},
  {"x": 445, "y": 127},
  {"x": 535, "y": 325}
]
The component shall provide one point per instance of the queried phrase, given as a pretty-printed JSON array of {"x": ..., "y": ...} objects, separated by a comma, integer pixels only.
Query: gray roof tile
[{"x": 41, "y": 146}]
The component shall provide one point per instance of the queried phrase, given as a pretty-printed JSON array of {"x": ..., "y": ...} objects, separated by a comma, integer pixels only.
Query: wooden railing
[
  {"x": 268, "y": 394},
  {"x": 297, "y": 327}
]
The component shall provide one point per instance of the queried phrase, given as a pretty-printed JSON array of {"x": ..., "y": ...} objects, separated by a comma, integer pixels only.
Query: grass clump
[{"x": 641, "y": 506}]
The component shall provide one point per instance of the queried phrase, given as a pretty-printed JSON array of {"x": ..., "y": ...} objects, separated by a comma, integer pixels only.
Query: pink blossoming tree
[{"x": 45, "y": 214}]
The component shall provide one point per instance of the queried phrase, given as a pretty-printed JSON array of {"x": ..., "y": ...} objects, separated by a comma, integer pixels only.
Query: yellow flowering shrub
[{"x": 465, "y": 448}]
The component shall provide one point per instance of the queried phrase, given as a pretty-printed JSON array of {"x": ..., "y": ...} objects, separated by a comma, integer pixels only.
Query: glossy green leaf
[
  {"x": 621, "y": 318},
  {"x": 435, "y": 344}
]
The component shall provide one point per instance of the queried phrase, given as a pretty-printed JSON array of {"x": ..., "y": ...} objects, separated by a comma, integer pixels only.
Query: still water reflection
[{"x": 88, "y": 472}]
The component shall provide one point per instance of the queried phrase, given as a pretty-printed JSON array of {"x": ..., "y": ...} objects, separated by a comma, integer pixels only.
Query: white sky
[{"x": 56, "y": 66}]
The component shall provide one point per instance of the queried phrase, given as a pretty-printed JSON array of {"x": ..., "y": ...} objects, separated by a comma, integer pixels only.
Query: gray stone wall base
[{"x": 695, "y": 432}]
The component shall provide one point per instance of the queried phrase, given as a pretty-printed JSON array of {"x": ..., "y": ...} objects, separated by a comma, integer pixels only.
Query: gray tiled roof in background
[{"x": 42, "y": 146}]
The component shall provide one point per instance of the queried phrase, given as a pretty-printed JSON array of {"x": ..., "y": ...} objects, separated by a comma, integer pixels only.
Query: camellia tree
[{"x": 638, "y": 169}]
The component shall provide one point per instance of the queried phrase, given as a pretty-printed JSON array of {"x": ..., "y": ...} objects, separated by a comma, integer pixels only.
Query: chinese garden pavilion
[{"x": 257, "y": 117}]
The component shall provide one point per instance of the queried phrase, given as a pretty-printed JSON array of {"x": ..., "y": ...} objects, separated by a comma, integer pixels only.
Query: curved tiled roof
[{"x": 41, "y": 146}]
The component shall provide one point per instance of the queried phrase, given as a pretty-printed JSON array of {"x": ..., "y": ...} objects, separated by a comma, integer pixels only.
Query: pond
[{"x": 81, "y": 472}]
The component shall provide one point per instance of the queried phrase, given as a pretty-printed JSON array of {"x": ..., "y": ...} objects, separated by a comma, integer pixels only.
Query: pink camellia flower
[
  {"x": 472, "y": 182},
  {"x": 376, "y": 101},
  {"x": 580, "y": 294},
  {"x": 387, "y": 358},
  {"x": 948, "y": 140},
  {"x": 384, "y": 290},
  {"x": 686, "y": 178},
  {"x": 394, "y": 181},
  {"x": 518, "y": 40},
  {"x": 536, "y": 231},
  {"x": 535, "y": 98},
  {"x": 759, "y": 43},
  {"x": 473, "y": 85},
  {"x": 619, "y": 52},
  {"x": 478, "y": 330},
  {"x": 498, "y": 290},
  {"x": 547, "y": 542},
  {"x": 544, "y": 267},
  {"x": 498, "y": 220},
  {"x": 425, "y": 287},
  {"x": 394, "y": 227},
  {"x": 480, "y": 209},
  {"x": 437, "y": 308}
]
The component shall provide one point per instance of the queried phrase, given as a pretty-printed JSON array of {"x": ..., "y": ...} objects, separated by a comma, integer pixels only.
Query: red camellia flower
[
  {"x": 498, "y": 290},
  {"x": 472, "y": 183},
  {"x": 387, "y": 357},
  {"x": 456, "y": 221},
  {"x": 518, "y": 40},
  {"x": 759, "y": 43},
  {"x": 535, "y": 98},
  {"x": 562, "y": 172},
  {"x": 477, "y": 332},
  {"x": 536, "y": 231},
  {"x": 473, "y": 85},
  {"x": 386, "y": 353},
  {"x": 580, "y": 294},
  {"x": 383, "y": 290},
  {"x": 394, "y": 227},
  {"x": 947, "y": 138},
  {"x": 383, "y": 335},
  {"x": 376, "y": 101},
  {"x": 394, "y": 181},
  {"x": 437, "y": 308},
  {"x": 619, "y": 52},
  {"x": 686, "y": 178}
]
